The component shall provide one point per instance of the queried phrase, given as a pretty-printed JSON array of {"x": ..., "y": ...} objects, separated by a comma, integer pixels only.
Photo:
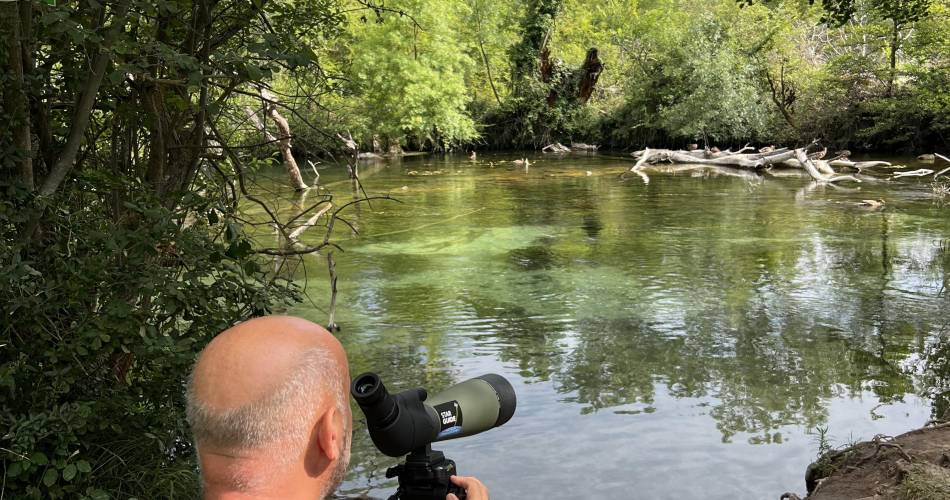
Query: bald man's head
[{"x": 258, "y": 395}]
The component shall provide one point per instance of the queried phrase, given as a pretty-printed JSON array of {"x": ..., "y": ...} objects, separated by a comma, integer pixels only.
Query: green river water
[{"x": 679, "y": 338}]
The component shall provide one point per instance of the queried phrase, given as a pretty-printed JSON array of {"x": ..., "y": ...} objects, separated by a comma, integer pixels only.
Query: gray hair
[{"x": 281, "y": 418}]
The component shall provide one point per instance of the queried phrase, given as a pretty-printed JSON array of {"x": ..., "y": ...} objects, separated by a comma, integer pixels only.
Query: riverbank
[{"x": 912, "y": 466}]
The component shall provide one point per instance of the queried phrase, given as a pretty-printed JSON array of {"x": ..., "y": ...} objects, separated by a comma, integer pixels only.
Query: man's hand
[{"x": 474, "y": 489}]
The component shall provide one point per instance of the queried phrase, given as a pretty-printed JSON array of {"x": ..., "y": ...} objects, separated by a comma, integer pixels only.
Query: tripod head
[{"x": 425, "y": 476}]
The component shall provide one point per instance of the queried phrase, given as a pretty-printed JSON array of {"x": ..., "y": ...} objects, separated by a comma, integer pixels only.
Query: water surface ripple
[{"x": 683, "y": 338}]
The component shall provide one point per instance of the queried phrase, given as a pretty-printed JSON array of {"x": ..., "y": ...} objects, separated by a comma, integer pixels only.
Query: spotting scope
[{"x": 410, "y": 421}]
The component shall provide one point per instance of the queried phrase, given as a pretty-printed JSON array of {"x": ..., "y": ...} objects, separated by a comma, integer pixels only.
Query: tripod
[{"x": 425, "y": 476}]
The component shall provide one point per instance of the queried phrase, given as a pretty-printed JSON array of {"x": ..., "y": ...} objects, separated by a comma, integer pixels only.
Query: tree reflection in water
[{"x": 763, "y": 304}]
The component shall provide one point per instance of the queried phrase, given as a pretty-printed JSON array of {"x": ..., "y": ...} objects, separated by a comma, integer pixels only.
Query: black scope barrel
[{"x": 410, "y": 420}]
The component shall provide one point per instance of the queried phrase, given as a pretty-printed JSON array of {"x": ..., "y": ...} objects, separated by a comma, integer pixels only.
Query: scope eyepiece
[
  {"x": 368, "y": 387},
  {"x": 375, "y": 401}
]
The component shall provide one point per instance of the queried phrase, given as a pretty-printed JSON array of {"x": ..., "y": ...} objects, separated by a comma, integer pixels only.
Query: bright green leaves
[{"x": 410, "y": 81}]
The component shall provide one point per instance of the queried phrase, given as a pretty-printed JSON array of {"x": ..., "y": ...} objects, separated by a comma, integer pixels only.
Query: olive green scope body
[{"x": 410, "y": 420}]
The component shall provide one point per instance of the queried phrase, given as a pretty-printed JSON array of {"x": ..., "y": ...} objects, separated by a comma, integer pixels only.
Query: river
[{"x": 686, "y": 337}]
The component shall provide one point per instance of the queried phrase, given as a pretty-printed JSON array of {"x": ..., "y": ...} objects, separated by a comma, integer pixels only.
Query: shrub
[{"x": 103, "y": 314}]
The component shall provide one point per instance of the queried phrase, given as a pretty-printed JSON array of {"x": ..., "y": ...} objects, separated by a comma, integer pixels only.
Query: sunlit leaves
[{"x": 410, "y": 81}]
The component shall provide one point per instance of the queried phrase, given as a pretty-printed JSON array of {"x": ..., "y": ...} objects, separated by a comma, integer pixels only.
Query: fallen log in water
[
  {"x": 556, "y": 147},
  {"x": 819, "y": 170},
  {"x": 752, "y": 161}
]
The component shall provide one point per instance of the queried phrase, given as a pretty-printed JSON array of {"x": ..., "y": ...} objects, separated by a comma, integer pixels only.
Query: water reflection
[{"x": 694, "y": 316}]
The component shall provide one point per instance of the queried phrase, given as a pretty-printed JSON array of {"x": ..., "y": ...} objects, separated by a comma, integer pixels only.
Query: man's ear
[{"x": 330, "y": 433}]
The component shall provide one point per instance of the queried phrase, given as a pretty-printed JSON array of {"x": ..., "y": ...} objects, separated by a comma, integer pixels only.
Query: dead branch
[
  {"x": 815, "y": 173},
  {"x": 921, "y": 172},
  {"x": 331, "y": 267},
  {"x": 944, "y": 158},
  {"x": 580, "y": 146},
  {"x": 726, "y": 159},
  {"x": 259, "y": 125},
  {"x": 312, "y": 221},
  {"x": 555, "y": 147},
  {"x": 284, "y": 128}
]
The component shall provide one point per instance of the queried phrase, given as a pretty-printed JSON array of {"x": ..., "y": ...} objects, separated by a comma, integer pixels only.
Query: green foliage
[
  {"x": 489, "y": 30},
  {"x": 692, "y": 79},
  {"x": 839, "y": 12},
  {"x": 856, "y": 74},
  {"x": 536, "y": 27},
  {"x": 409, "y": 79},
  {"x": 103, "y": 318},
  {"x": 714, "y": 96}
]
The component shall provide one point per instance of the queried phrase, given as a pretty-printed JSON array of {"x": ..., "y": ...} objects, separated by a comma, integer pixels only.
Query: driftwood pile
[{"x": 748, "y": 159}]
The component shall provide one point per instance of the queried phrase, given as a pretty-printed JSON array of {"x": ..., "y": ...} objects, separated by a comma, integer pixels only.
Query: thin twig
[{"x": 239, "y": 169}]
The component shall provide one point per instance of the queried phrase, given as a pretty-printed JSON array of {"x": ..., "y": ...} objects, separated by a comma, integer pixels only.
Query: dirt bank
[{"x": 912, "y": 466}]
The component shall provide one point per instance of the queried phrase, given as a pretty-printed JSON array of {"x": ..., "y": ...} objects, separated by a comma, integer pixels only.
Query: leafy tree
[
  {"x": 121, "y": 243},
  {"x": 408, "y": 75},
  {"x": 536, "y": 29},
  {"x": 489, "y": 30}
]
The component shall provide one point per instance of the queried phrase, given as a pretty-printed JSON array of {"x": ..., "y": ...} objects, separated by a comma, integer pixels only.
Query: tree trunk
[
  {"x": 491, "y": 81},
  {"x": 576, "y": 85},
  {"x": 258, "y": 124},
  {"x": 481, "y": 46},
  {"x": 283, "y": 129},
  {"x": 15, "y": 102},
  {"x": 157, "y": 153},
  {"x": 783, "y": 95},
  {"x": 590, "y": 73},
  {"x": 39, "y": 110},
  {"x": 895, "y": 41},
  {"x": 67, "y": 157}
]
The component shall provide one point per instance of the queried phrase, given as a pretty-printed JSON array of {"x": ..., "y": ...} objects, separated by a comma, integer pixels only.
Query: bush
[{"x": 103, "y": 314}]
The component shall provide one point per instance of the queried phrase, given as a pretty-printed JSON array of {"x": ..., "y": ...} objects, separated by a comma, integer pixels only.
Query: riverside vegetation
[{"x": 132, "y": 141}]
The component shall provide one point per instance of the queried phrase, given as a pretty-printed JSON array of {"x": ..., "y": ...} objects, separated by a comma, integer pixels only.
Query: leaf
[
  {"x": 69, "y": 472},
  {"x": 50, "y": 477},
  {"x": 83, "y": 466},
  {"x": 39, "y": 458},
  {"x": 14, "y": 469},
  {"x": 252, "y": 267}
]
